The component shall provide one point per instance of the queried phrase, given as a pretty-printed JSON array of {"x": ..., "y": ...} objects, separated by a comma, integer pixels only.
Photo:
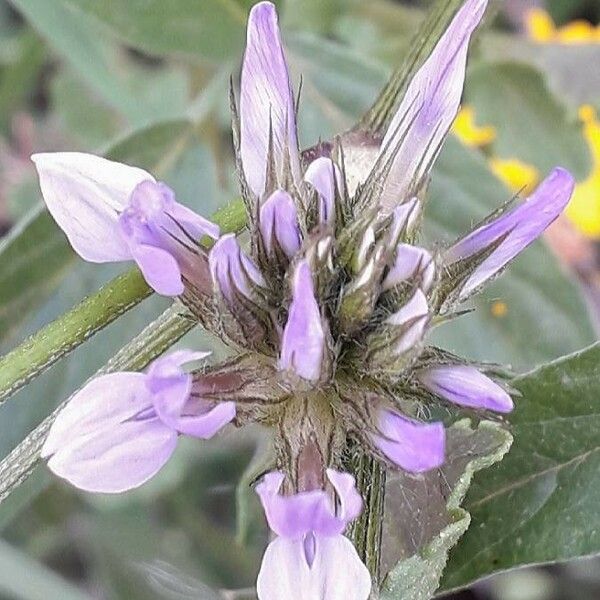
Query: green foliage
[
  {"x": 531, "y": 124},
  {"x": 169, "y": 111},
  {"x": 423, "y": 515},
  {"x": 541, "y": 503}
]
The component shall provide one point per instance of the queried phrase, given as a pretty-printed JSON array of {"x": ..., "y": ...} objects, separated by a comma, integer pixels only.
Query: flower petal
[
  {"x": 413, "y": 316},
  {"x": 159, "y": 268},
  {"x": 85, "y": 194},
  {"x": 522, "y": 225},
  {"x": 303, "y": 340},
  {"x": 108, "y": 439},
  {"x": 266, "y": 101},
  {"x": 335, "y": 573},
  {"x": 466, "y": 386},
  {"x": 279, "y": 222},
  {"x": 232, "y": 271},
  {"x": 295, "y": 515},
  {"x": 429, "y": 107},
  {"x": 203, "y": 420},
  {"x": 413, "y": 446},
  {"x": 410, "y": 262},
  {"x": 320, "y": 174},
  {"x": 350, "y": 501}
]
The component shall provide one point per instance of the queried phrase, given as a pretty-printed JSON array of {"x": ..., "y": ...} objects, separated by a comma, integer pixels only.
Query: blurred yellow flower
[
  {"x": 542, "y": 29},
  {"x": 584, "y": 208},
  {"x": 517, "y": 175},
  {"x": 469, "y": 132}
]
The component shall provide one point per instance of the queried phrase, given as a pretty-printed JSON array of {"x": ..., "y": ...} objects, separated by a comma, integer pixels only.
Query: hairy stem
[
  {"x": 150, "y": 343},
  {"x": 366, "y": 530},
  {"x": 60, "y": 337}
]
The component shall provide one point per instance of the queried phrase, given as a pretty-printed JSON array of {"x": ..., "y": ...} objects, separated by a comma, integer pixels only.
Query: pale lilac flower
[
  {"x": 112, "y": 212},
  {"x": 267, "y": 109},
  {"x": 303, "y": 341},
  {"x": 413, "y": 446},
  {"x": 326, "y": 309},
  {"x": 310, "y": 558},
  {"x": 514, "y": 230},
  {"x": 414, "y": 137},
  {"x": 120, "y": 429},
  {"x": 233, "y": 272},
  {"x": 411, "y": 264},
  {"x": 409, "y": 323},
  {"x": 279, "y": 225},
  {"x": 466, "y": 386},
  {"x": 325, "y": 177}
]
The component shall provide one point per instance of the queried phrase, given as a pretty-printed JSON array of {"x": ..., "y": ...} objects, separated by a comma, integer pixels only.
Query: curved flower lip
[
  {"x": 314, "y": 511},
  {"x": 414, "y": 317},
  {"x": 112, "y": 212},
  {"x": 466, "y": 386},
  {"x": 419, "y": 127},
  {"x": 326, "y": 178},
  {"x": 303, "y": 339},
  {"x": 267, "y": 108},
  {"x": 520, "y": 227},
  {"x": 278, "y": 221},
  {"x": 410, "y": 262},
  {"x": 120, "y": 429},
  {"x": 232, "y": 270},
  {"x": 413, "y": 446},
  {"x": 85, "y": 194}
]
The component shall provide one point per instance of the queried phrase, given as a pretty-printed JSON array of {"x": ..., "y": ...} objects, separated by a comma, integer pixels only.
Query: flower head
[{"x": 327, "y": 309}]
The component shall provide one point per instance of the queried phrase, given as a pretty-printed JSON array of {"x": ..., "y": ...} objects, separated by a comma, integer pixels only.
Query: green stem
[
  {"x": 366, "y": 530},
  {"x": 60, "y": 337},
  {"x": 150, "y": 343},
  {"x": 57, "y": 339}
]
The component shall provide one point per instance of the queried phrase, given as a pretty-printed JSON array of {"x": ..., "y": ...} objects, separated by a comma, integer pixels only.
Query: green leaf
[
  {"x": 81, "y": 46},
  {"x": 541, "y": 503},
  {"x": 544, "y": 316},
  {"x": 338, "y": 85},
  {"x": 211, "y": 29},
  {"x": 19, "y": 77},
  {"x": 531, "y": 124},
  {"x": 23, "y": 578},
  {"x": 423, "y": 516},
  {"x": 33, "y": 260}
]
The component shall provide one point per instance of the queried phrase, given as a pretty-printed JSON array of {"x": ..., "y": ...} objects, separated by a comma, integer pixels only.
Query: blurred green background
[{"x": 146, "y": 82}]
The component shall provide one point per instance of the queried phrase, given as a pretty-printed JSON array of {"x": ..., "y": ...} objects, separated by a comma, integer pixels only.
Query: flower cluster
[{"x": 326, "y": 308}]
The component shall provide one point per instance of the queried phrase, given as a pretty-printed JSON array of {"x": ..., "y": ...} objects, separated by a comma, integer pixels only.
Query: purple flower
[
  {"x": 412, "y": 321},
  {"x": 310, "y": 553},
  {"x": 325, "y": 177},
  {"x": 514, "y": 230},
  {"x": 417, "y": 131},
  {"x": 303, "y": 339},
  {"x": 326, "y": 309},
  {"x": 232, "y": 271},
  {"x": 413, "y": 446},
  {"x": 411, "y": 263},
  {"x": 279, "y": 224},
  {"x": 120, "y": 429},
  {"x": 466, "y": 386},
  {"x": 266, "y": 102},
  {"x": 112, "y": 212}
]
